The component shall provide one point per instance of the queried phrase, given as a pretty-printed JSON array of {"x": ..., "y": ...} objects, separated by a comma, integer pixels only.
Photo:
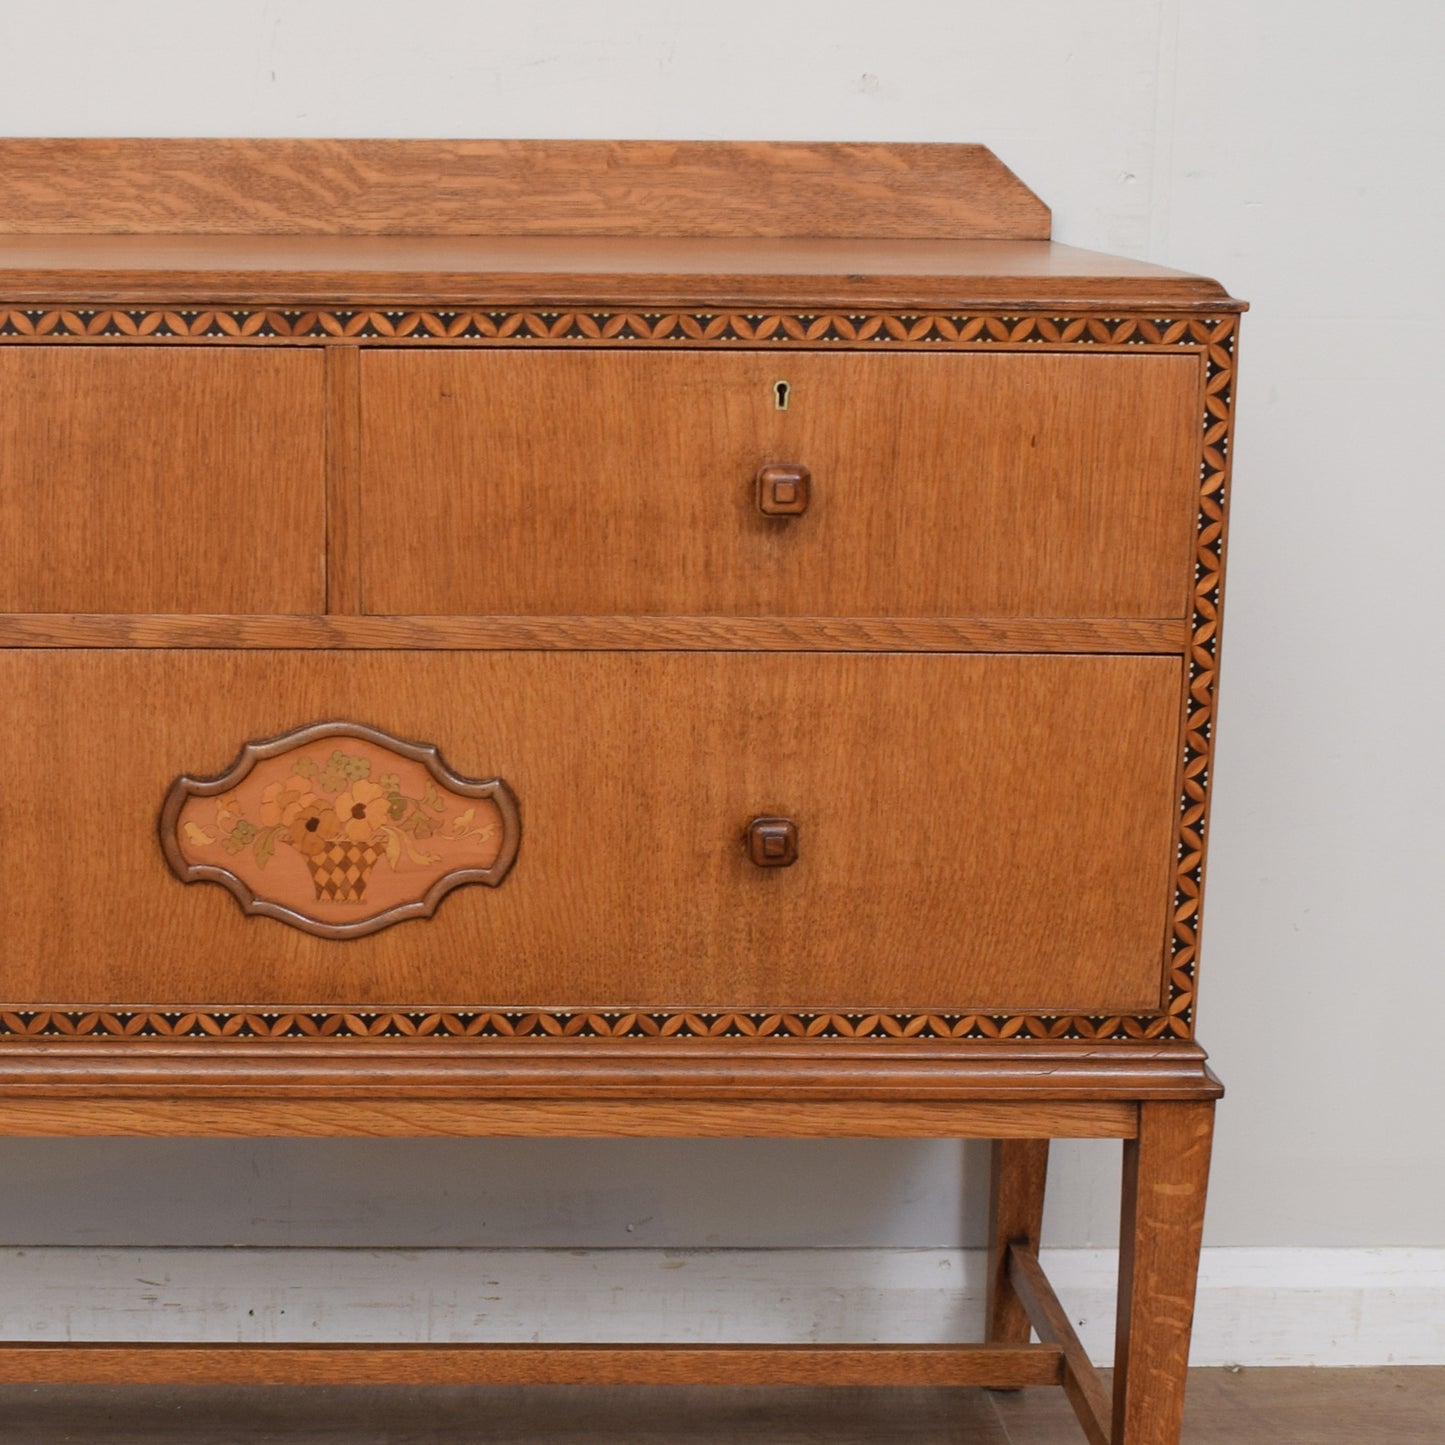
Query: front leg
[{"x": 1166, "y": 1174}]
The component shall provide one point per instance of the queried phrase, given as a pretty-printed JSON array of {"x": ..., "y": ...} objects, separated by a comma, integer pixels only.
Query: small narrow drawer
[{"x": 151, "y": 479}]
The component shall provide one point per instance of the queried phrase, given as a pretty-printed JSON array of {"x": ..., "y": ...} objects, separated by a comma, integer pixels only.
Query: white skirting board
[{"x": 1255, "y": 1306}]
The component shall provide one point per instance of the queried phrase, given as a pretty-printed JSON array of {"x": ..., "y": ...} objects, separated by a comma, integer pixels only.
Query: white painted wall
[
  {"x": 1295, "y": 149},
  {"x": 1255, "y": 1307}
]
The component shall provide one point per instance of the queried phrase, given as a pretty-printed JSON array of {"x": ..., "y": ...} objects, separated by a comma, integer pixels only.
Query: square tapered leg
[
  {"x": 1016, "y": 1212},
  {"x": 1166, "y": 1171}
]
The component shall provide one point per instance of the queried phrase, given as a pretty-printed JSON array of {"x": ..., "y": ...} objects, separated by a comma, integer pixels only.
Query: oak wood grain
[
  {"x": 944, "y": 485},
  {"x": 1166, "y": 1173},
  {"x": 124, "y": 476},
  {"x": 983, "y": 832},
  {"x": 343, "y": 482},
  {"x": 357, "y": 1112},
  {"x": 514, "y": 187},
  {"x": 428, "y": 272},
  {"x": 486, "y": 1069},
  {"x": 532, "y": 1364},
  {"x": 210, "y": 429},
  {"x": 599, "y": 634},
  {"x": 1085, "y": 1391},
  {"x": 1019, "y": 1173}
]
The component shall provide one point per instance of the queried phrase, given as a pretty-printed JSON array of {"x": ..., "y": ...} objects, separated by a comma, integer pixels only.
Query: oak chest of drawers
[{"x": 611, "y": 639}]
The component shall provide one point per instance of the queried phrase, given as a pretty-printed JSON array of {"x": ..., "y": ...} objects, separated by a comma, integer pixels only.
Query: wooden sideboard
[{"x": 611, "y": 639}]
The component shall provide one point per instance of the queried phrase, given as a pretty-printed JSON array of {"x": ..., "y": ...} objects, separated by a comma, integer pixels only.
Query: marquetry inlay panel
[{"x": 339, "y": 829}]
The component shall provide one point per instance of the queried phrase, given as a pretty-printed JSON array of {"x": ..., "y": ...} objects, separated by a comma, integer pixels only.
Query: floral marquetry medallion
[{"x": 340, "y": 829}]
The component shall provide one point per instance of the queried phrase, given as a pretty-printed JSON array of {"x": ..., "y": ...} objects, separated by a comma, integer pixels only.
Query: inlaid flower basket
[
  {"x": 341, "y": 871},
  {"x": 342, "y": 839}
]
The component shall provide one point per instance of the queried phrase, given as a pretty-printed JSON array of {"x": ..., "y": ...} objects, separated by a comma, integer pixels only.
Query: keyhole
[{"x": 780, "y": 391}]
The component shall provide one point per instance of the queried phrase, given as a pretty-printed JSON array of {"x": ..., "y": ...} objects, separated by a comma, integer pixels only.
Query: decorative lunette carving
[
  {"x": 649, "y": 326},
  {"x": 339, "y": 829},
  {"x": 1207, "y": 605}
]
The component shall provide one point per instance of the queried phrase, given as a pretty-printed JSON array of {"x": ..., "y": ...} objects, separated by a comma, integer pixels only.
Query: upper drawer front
[
  {"x": 974, "y": 832},
  {"x": 141, "y": 479},
  {"x": 600, "y": 482}
]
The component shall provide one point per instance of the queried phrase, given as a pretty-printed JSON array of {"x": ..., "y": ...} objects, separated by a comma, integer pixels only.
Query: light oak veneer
[
  {"x": 462, "y": 441},
  {"x": 124, "y": 476},
  {"x": 943, "y": 486},
  {"x": 990, "y": 829}
]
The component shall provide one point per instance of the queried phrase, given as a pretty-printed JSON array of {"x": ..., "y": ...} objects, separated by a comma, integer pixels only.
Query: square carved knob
[
  {"x": 773, "y": 842},
  {"x": 783, "y": 491}
]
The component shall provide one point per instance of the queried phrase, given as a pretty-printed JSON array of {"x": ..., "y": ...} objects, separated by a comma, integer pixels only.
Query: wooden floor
[{"x": 1272, "y": 1407}]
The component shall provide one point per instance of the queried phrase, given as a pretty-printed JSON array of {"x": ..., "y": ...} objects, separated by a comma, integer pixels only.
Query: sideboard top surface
[
  {"x": 590, "y": 269},
  {"x": 533, "y": 222}
]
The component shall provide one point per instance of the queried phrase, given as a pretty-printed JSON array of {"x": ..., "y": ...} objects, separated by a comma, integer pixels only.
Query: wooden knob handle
[
  {"x": 783, "y": 490},
  {"x": 773, "y": 842}
]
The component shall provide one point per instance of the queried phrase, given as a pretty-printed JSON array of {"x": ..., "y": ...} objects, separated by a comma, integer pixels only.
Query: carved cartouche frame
[{"x": 492, "y": 789}]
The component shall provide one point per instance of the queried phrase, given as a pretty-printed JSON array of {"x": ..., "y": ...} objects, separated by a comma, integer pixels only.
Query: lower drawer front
[{"x": 973, "y": 832}]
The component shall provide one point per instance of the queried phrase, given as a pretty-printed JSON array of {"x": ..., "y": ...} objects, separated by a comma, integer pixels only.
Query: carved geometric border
[
  {"x": 1203, "y": 666},
  {"x": 511, "y": 327},
  {"x": 1213, "y": 336},
  {"x": 397, "y": 1023}
]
